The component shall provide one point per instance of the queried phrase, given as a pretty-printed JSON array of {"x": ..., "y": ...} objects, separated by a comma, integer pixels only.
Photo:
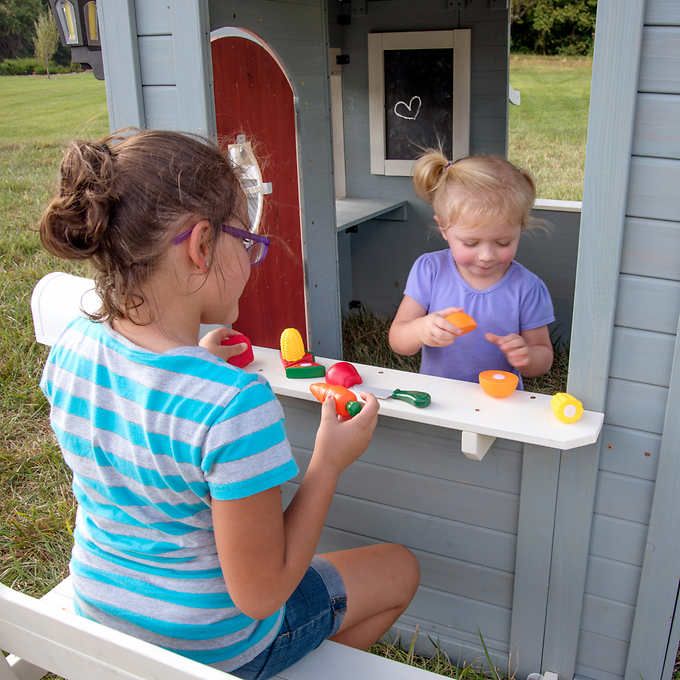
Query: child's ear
[
  {"x": 198, "y": 246},
  {"x": 441, "y": 228}
]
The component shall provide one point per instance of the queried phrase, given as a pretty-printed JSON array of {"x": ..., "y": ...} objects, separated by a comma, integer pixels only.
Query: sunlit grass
[{"x": 547, "y": 133}]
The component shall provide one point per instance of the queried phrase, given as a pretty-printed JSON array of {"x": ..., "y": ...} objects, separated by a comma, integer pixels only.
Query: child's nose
[{"x": 486, "y": 253}]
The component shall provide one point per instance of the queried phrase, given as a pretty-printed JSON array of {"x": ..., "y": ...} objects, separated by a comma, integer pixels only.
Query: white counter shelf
[{"x": 523, "y": 416}]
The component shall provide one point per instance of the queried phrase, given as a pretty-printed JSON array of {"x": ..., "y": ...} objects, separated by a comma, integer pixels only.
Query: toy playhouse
[{"x": 557, "y": 544}]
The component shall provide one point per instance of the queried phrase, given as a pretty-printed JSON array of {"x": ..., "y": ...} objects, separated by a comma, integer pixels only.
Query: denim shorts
[{"x": 314, "y": 612}]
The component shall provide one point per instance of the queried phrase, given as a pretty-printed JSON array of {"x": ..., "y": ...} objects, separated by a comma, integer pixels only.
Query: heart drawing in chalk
[{"x": 409, "y": 111}]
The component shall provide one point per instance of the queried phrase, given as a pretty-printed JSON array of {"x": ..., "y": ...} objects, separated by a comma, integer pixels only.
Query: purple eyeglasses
[{"x": 255, "y": 244}]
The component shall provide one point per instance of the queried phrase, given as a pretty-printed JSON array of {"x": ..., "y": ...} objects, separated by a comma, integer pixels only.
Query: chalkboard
[
  {"x": 418, "y": 97},
  {"x": 418, "y": 102}
]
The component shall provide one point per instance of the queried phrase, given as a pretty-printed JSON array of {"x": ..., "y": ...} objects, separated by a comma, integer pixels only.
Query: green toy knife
[{"x": 413, "y": 397}]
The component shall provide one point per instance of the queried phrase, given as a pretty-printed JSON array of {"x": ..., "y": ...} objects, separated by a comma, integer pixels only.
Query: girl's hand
[
  {"x": 340, "y": 442},
  {"x": 211, "y": 341},
  {"x": 436, "y": 331},
  {"x": 514, "y": 347}
]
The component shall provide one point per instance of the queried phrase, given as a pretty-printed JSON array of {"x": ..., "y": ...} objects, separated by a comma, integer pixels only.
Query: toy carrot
[{"x": 346, "y": 404}]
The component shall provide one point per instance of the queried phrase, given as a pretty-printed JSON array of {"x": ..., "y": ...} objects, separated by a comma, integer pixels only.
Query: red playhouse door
[{"x": 253, "y": 98}]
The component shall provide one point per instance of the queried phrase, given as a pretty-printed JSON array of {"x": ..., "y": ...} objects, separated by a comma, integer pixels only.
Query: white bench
[{"x": 46, "y": 635}]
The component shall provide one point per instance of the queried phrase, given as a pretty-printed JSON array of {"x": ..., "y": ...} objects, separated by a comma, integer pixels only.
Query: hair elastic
[{"x": 448, "y": 165}]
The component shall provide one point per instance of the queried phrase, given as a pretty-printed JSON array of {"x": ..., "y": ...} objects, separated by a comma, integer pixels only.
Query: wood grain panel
[
  {"x": 607, "y": 617},
  {"x": 630, "y": 452},
  {"x": 457, "y": 540},
  {"x": 600, "y": 657},
  {"x": 636, "y": 405},
  {"x": 624, "y": 497},
  {"x": 618, "y": 539},
  {"x": 157, "y": 60},
  {"x": 652, "y": 247},
  {"x": 656, "y": 130},
  {"x": 160, "y": 106},
  {"x": 454, "y": 576},
  {"x": 660, "y": 59},
  {"x": 613, "y": 580},
  {"x": 427, "y": 495},
  {"x": 646, "y": 303},
  {"x": 653, "y": 188},
  {"x": 642, "y": 356}
]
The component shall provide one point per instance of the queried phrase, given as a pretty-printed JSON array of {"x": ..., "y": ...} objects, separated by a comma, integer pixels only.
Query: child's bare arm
[
  {"x": 531, "y": 352},
  {"x": 413, "y": 327},
  {"x": 265, "y": 552}
]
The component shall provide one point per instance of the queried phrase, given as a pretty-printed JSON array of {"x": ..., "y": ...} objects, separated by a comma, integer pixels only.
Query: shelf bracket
[{"x": 474, "y": 446}]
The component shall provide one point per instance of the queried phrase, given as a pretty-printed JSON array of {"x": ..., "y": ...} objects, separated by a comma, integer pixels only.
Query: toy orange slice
[
  {"x": 462, "y": 321},
  {"x": 498, "y": 383}
]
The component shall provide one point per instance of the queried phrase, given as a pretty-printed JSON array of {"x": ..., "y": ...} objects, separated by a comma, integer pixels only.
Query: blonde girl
[
  {"x": 177, "y": 456},
  {"x": 481, "y": 207}
]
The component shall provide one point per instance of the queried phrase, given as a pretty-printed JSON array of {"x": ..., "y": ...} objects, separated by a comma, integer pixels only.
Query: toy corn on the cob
[
  {"x": 296, "y": 362},
  {"x": 566, "y": 407}
]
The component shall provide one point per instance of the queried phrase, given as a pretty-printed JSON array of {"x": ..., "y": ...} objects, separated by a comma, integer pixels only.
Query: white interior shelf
[
  {"x": 352, "y": 211},
  {"x": 457, "y": 405}
]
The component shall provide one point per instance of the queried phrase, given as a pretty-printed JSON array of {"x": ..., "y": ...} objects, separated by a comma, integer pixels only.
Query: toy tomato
[
  {"x": 346, "y": 404},
  {"x": 343, "y": 373},
  {"x": 243, "y": 359}
]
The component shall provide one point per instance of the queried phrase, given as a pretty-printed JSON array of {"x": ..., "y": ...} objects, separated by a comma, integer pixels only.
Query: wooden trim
[
  {"x": 376, "y": 102},
  {"x": 655, "y": 610},
  {"x": 118, "y": 30},
  {"x": 538, "y": 497},
  {"x": 337, "y": 123},
  {"x": 610, "y": 130},
  {"x": 194, "y": 78}
]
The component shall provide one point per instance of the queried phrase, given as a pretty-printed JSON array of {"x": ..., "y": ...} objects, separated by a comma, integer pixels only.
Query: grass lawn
[
  {"x": 37, "y": 117},
  {"x": 548, "y": 129}
]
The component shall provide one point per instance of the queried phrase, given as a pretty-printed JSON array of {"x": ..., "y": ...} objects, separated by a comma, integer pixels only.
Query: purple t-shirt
[{"x": 518, "y": 302}]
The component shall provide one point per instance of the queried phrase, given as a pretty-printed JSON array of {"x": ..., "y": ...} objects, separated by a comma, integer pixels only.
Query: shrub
[{"x": 28, "y": 66}]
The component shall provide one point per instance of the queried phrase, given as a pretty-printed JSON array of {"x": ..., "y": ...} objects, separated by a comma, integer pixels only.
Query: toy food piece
[
  {"x": 498, "y": 383},
  {"x": 296, "y": 362},
  {"x": 292, "y": 347},
  {"x": 464, "y": 322},
  {"x": 413, "y": 397},
  {"x": 244, "y": 358},
  {"x": 346, "y": 404},
  {"x": 567, "y": 408},
  {"x": 343, "y": 373}
]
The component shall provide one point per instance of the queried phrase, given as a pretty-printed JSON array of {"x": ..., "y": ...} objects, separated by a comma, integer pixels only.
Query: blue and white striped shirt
[{"x": 151, "y": 439}]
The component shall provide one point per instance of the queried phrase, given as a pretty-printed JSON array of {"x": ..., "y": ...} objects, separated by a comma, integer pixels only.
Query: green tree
[
  {"x": 46, "y": 39},
  {"x": 16, "y": 26},
  {"x": 553, "y": 26}
]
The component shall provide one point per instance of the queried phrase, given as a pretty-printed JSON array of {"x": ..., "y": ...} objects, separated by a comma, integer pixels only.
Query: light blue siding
[{"x": 578, "y": 531}]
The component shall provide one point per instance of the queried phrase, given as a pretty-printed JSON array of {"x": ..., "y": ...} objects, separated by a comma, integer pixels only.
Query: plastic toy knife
[{"x": 413, "y": 397}]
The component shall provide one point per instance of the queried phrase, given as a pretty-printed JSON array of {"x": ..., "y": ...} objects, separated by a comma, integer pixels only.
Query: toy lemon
[
  {"x": 498, "y": 383},
  {"x": 568, "y": 409}
]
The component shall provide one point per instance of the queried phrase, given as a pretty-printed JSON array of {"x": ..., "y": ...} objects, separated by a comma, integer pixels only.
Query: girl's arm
[
  {"x": 531, "y": 352},
  {"x": 413, "y": 327},
  {"x": 265, "y": 552}
]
